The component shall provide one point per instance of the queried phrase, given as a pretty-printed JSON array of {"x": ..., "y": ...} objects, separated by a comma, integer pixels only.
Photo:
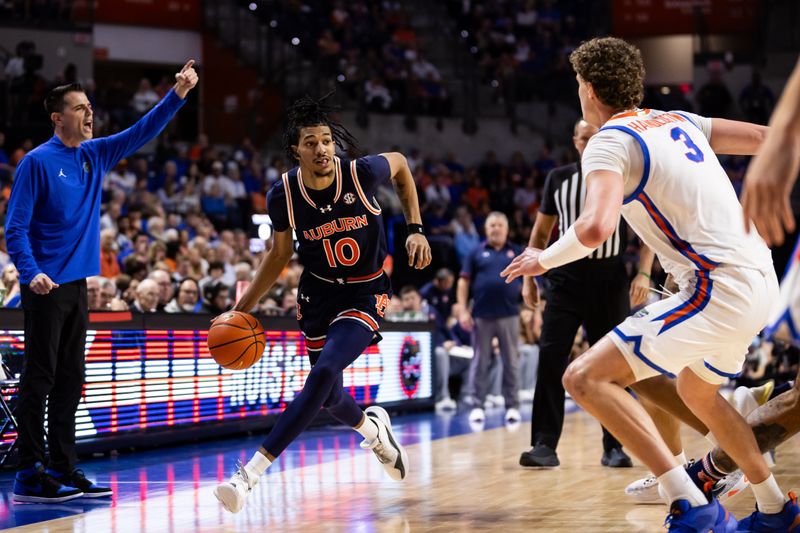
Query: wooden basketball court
[{"x": 467, "y": 482}]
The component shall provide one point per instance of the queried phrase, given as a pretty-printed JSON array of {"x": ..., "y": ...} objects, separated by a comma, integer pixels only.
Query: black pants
[
  {"x": 592, "y": 293},
  {"x": 53, "y": 373}
]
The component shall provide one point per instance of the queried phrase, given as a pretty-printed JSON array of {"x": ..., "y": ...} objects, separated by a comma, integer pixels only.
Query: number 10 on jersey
[{"x": 344, "y": 253}]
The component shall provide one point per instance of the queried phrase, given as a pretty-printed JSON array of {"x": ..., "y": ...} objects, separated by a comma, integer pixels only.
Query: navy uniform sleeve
[
  {"x": 373, "y": 171},
  {"x": 469, "y": 265},
  {"x": 276, "y": 207},
  {"x": 108, "y": 151},
  {"x": 548, "y": 206}
]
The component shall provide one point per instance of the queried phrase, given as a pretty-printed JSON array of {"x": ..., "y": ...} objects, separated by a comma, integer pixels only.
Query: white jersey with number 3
[{"x": 678, "y": 198}]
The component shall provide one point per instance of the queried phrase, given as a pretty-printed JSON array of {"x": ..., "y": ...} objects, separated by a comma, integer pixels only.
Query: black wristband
[{"x": 415, "y": 228}]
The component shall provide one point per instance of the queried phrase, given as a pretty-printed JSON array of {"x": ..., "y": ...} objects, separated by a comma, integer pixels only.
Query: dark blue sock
[
  {"x": 346, "y": 340},
  {"x": 703, "y": 471}
]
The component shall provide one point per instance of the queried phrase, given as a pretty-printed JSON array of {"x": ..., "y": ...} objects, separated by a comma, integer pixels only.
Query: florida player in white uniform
[
  {"x": 659, "y": 170},
  {"x": 329, "y": 203}
]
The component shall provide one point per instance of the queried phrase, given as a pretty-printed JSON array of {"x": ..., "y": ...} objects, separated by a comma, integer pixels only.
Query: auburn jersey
[{"x": 339, "y": 229}]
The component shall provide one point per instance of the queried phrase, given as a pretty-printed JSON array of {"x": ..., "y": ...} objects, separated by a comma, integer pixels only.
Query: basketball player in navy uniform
[{"x": 329, "y": 204}]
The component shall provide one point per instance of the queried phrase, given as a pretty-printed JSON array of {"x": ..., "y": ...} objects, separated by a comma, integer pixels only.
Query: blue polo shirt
[
  {"x": 53, "y": 219},
  {"x": 491, "y": 296}
]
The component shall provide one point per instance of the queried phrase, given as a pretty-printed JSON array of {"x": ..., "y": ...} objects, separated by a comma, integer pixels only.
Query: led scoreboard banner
[{"x": 152, "y": 375}]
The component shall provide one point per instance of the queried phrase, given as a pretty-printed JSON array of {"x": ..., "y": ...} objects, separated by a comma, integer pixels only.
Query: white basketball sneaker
[
  {"x": 644, "y": 490},
  {"x": 389, "y": 452},
  {"x": 477, "y": 415},
  {"x": 729, "y": 486},
  {"x": 233, "y": 493}
]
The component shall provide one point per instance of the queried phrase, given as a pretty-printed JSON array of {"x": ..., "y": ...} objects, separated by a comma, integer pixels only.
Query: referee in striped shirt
[{"x": 592, "y": 292}]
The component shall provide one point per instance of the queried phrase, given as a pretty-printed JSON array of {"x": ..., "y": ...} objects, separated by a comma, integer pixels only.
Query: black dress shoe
[
  {"x": 539, "y": 455},
  {"x": 616, "y": 458}
]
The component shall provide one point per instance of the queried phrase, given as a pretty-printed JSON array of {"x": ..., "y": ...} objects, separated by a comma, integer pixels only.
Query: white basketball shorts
[{"x": 707, "y": 326}]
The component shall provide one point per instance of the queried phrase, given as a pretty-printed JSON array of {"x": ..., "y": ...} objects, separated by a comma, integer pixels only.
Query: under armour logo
[
  {"x": 61, "y": 173},
  {"x": 340, "y": 281},
  {"x": 326, "y": 209},
  {"x": 305, "y": 298}
]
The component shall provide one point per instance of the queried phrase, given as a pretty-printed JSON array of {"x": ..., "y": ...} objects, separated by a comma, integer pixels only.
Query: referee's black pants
[
  {"x": 592, "y": 293},
  {"x": 53, "y": 373}
]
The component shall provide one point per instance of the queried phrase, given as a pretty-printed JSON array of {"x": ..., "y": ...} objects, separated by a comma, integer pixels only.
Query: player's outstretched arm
[
  {"x": 268, "y": 271},
  {"x": 773, "y": 172},
  {"x": 596, "y": 223},
  {"x": 417, "y": 247},
  {"x": 734, "y": 137}
]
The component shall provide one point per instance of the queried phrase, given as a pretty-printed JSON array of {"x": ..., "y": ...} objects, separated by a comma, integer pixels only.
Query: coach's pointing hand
[{"x": 186, "y": 79}]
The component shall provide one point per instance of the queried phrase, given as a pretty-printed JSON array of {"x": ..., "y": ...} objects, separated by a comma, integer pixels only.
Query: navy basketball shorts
[{"x": 322, "y": 303}]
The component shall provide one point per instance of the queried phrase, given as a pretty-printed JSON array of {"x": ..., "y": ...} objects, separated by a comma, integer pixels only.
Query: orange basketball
[{"x": 236, "y": 340}]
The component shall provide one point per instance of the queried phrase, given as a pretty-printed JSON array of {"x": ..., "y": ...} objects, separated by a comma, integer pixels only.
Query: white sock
[
  {"x": 677, "y": 485},
  {"x": 710, "y": 438},
  {"x": 768, "y": 495},
  {"x": 368, "y": 429},
  {"x": 258, "y": 464},
  {"x": 681, "y": 458}
]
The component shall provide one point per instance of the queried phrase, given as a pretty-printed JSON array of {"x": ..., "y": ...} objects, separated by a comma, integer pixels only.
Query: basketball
[{"x": 236, "y": 340}]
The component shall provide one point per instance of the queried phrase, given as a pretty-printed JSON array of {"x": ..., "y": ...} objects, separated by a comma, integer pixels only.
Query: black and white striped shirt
[{"x": 564, "y": 195}]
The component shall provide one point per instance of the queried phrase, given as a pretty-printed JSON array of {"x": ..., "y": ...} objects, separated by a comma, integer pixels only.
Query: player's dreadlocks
[{"x": 308, "y": 111}]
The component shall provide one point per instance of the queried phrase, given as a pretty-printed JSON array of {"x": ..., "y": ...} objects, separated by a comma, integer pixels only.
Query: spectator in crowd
[
  {"x": 215, "y": 297},
  {"x": 109, "y": 266},
  {"x": 289, "y": 302},
  {"x": 439, "y": 293},
  {"x": 108, "y": 296},
  {"x": 453, "y": 356},
  {"x": 9, "y": 287},
  {"x": 188, "y": 298},
  {"x": 411, "y": 307},
  {"x": 165, "y": 287},
  {"x": 756, "y": 100},
  {"x": 4, "y": 258},
  {"x": 714, "y": 99},
  {"x": 6, "y": 170},
  {"x": 466, "y": 234},
  {"x": 377, "y": 95},
  {"x": 93, "y": 293},
  {"x": 146, "y": 301},
  {"x": 494, "y": 314},
  {"x": 121, "y": 178},
  {"x": 144, "y": 98},
  {"x": 216, "y": 269}
]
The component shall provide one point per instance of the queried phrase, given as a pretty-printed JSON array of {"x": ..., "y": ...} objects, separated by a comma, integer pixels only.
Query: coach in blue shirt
[
  {"x": 53, "y": 237},
  {"x": 495, "y": 314}
]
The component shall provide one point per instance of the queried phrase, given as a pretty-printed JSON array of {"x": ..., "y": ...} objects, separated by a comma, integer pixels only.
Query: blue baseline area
[{"x": 152, "y": 473}]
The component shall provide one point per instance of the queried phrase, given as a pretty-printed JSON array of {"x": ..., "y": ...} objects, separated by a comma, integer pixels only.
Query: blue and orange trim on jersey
[
  {"x": 645, "y": 153},
  {"x": 700, "y": 261},
  {"x": 692, "y": 306}
]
